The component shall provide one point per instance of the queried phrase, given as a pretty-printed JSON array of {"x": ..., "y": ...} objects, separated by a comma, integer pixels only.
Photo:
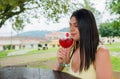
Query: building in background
[{"x": 7, "y": 43}]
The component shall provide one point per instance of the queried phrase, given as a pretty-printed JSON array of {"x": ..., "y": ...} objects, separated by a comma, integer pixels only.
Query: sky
[{"x": 7, "y": 29}]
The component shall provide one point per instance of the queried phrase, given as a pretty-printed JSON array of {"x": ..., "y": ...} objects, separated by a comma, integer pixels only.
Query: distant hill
[
  {"x": 64, "y": 29},
  {"x": 34, "y": 33},
  {"x": 38, "y": 33}
]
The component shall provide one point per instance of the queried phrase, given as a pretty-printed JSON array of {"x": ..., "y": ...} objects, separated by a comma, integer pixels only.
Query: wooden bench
[{"x": 32, "y": 73}]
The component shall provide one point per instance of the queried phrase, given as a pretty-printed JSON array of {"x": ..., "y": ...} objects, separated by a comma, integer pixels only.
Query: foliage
[
  {"x": 114, "y": 7},
  {"x": 26, "y": 9},
  {"x": 9, "y": 8},
  {"x": 21, "y": 12},
  {"x": 89, "y": 5},
  {"x": 105, "y": 30},
  {"x": 18, "y": 24},
  {"x": 116, "y": 28},
  {"x": 110, "y": 29}
]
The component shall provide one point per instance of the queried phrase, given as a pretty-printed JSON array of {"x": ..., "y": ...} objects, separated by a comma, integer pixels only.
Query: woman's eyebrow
[{"x": 72, "y": 22}]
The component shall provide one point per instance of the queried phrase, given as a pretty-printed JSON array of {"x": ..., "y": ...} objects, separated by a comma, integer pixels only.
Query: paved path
[
  {"x": 20, "y": 52},
  {"x": 18, "y": 60},
  {"x": 117, "y": 54}
]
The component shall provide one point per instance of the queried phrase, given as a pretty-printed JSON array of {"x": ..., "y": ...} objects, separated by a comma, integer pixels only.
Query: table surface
[{"x": 32, "y": 73}]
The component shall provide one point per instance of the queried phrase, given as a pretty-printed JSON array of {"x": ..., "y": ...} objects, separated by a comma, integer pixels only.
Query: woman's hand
[{"x": 63, "y": 56}]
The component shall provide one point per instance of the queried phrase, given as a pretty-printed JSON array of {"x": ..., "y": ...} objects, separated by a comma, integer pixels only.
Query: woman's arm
[
  {"x": 103, "y": 64},
  {"x": 57, "y": 67},
  {"x": 63, "y": 57}
]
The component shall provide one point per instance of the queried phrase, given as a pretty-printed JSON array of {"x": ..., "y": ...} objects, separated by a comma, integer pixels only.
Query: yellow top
[{"x": 89, "y": 74}]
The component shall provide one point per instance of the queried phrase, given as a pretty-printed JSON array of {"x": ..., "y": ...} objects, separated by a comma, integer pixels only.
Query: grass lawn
[
  {"x": 48, "y": 62},
  {"x": 115, "y": 63},
  {"x": 43, "y": 51},
  {"x": 114, "y": 47},
  {"x": 4, "y": 53}
]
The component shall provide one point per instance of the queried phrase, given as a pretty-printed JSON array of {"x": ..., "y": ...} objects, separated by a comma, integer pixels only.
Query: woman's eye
[{"x": 76, "y": 26}]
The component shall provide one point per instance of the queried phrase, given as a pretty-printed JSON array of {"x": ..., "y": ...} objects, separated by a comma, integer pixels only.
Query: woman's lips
[{"x": 73, "y": 34}]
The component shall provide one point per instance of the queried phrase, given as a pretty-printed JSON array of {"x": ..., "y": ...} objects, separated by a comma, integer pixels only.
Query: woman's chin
[{"x": 75, "y": 39}]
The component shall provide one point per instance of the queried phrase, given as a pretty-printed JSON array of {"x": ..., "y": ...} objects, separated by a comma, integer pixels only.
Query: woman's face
[{"x": 74, "y": 29}]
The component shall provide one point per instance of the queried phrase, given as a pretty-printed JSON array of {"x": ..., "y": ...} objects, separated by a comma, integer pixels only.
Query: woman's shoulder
[
  {"x": 102, "y": 53},
  {"x": 103, "y": 62},
  {"x": 102, "y": 50}
]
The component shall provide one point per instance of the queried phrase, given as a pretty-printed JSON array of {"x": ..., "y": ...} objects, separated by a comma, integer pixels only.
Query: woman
[{"x": 87, "y": 58}]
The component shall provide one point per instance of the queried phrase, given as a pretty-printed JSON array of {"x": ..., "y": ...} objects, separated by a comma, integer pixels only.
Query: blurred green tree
[
  {"x": 20, "y": 12},
  {"x": 105, "y": 30},
  {"x": 21, "y": 8},
  {"x": 114, "y": 7},
  {"x": 110, "y": 29}
]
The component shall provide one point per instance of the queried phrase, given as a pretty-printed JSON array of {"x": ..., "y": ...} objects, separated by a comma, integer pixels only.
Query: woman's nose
[{"x": 72, "y": 28}]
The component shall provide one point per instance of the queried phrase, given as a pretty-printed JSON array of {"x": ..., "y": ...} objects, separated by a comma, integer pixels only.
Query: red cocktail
[{"x": 66, "y": 42}]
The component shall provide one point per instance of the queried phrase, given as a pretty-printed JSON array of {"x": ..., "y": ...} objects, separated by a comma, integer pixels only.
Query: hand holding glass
[{"x": 66, "y": 43}]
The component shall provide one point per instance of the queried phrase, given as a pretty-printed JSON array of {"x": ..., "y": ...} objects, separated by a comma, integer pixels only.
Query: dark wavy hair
[{"x": 89, "y": 37}]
